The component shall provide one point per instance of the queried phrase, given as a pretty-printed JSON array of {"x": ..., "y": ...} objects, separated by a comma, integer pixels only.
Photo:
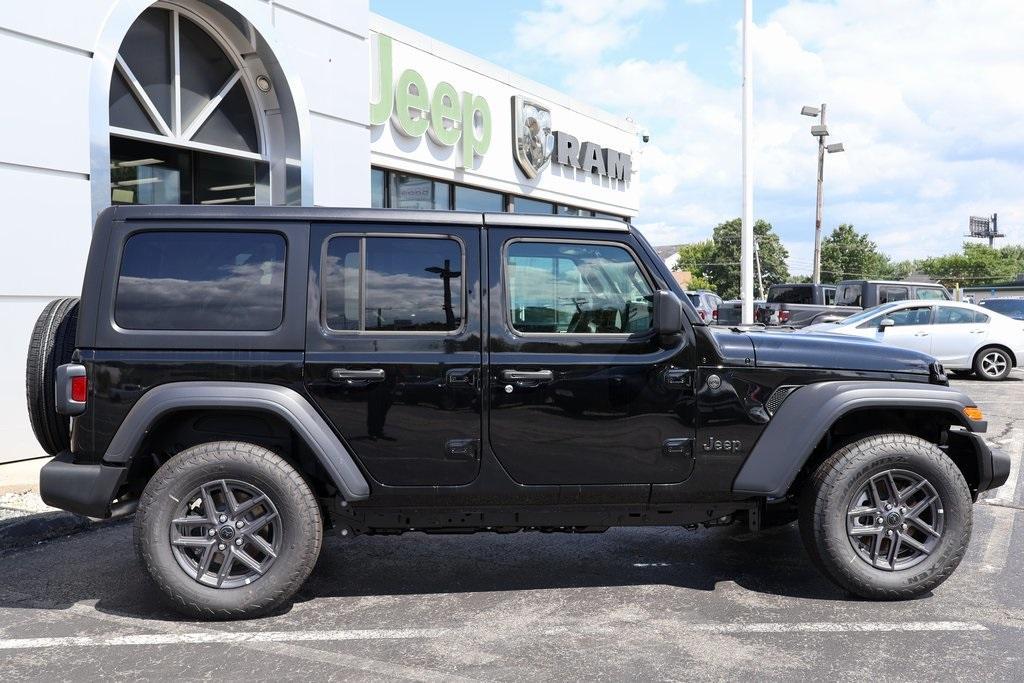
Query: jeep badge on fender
[{"x": 713, "y": 444}]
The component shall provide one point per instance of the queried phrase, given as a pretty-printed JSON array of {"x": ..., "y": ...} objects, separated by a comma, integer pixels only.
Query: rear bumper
[{"x": 86, "y": 489}]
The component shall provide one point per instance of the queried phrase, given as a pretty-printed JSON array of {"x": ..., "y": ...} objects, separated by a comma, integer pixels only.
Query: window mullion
[
  {"x": 175, "y": 74},
  {"x": 362, "y": 284},
  {"x": 142, "y": 97},
  {"x": 211, "y": 106}
]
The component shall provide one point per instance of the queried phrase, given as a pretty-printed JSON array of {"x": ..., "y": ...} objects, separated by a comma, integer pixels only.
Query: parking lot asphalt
[{"x": 658, "y": 603}]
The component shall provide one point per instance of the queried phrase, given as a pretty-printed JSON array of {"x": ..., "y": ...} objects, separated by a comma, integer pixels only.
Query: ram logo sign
[{"x": 531, "y": 135}]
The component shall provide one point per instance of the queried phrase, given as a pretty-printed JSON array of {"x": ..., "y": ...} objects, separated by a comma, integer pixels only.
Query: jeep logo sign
[
  {"x": 445, "y": 116},
  {"x": 591, "y": 157}
]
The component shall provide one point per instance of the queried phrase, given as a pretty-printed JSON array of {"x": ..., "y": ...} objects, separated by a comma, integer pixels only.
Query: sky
[{"x": 927, "y": 97}]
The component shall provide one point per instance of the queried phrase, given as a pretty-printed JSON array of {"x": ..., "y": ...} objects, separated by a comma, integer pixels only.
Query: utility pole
[
  {"x": 747, "y": 225},
  {"x": 757, "y": 262},
  {"x": 820, "y": 131}
]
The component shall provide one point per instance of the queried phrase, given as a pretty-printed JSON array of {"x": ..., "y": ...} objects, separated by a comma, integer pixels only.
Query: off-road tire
[
  {"x": 985, "y": 353},
  {"x": 51, "y": 345},
  {"x": 830, "y": 489},
  {"x": 289, "y": 492}
]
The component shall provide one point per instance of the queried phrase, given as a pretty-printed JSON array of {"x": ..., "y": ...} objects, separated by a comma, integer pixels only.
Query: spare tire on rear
[{"x": 52, "y": 343}]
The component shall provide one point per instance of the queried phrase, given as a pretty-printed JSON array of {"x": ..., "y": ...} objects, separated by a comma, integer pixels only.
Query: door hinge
[
  {"x": 678, "y": 377},
  {"x": 674, "y": 448}
]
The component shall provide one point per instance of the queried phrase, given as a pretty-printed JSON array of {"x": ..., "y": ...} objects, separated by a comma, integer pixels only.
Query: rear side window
[
  {"x": 887, "y": 294},
  {"x": 931, "y": 294},
  {"x": 576, "y": 288},
  {"x": 849, "y": 295},
  {"x": 830, "y": 295},
  {"x": 393, "y": 284},
  {"x": 791, "y": 295},
  {"x": 202, "y": 281}
]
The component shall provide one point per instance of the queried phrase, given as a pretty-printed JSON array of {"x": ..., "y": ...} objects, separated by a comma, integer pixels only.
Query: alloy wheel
[
  {"x": 895, "y": 520},
  {"x": 994, "y": 364},
  {"x": 226, "y": 533}
]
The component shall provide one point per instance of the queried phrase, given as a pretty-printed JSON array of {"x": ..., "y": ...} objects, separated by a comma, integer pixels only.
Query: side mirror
[
  {"x": 668, "y": 312},
  {"x": 885, "y": 322}
]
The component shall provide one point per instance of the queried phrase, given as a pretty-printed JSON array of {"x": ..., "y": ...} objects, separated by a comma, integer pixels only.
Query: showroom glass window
[
  {"x": 182, "y": 127},
  {"x": 576, "y": 288},
  {"x": 180, "y": 280},
  {"x": 393, "y": 284}
]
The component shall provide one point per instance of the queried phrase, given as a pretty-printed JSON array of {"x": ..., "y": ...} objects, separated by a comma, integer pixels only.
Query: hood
[{"x": 825, "y": 351}]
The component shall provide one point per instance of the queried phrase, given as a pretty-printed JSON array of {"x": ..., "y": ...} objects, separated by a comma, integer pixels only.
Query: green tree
[
  {"x": 718, "y": 261},
  {"x": 849, "y": 255},
  {"x": 979, "y": 264}
]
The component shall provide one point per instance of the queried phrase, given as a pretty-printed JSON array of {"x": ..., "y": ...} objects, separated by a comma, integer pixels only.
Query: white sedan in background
[{"x": 961, "y": 336}]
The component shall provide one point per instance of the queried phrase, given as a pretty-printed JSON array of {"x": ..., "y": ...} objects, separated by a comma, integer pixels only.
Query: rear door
[
  {"x": 582, "y": 392},
  {"x": 393, "y": 348},
  {"x": 956, "y": 334}
]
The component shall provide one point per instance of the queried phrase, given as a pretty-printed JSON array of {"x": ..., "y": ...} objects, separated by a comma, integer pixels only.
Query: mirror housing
[
  {"x": 668, "y": 312},
  {"x": 886, "y": 322}
]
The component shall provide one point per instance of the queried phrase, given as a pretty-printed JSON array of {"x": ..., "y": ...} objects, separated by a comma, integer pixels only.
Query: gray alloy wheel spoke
[
  {"x": 203, "y": 565},
  {"x": 224, "y": 553},
  {"x": 248, "y": 560},
  {"x": 229, "y": 498},
  {"x": 191, "y": 541},
  {"x": 915, "y": 544},
  {"x": 227, "y": 562},
  {"x": 871, "y": 519},
  {"x": 243, "y": 508},
  {"x": 924, "y": 526},
  {"x": 208, "y": 506},
  {"x": 263, "y": 546}
]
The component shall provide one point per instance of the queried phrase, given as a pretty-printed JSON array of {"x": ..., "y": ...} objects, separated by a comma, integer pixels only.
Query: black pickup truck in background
[{"x": 800, "y": 305}]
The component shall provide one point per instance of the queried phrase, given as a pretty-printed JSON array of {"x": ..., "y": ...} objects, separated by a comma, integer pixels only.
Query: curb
[{"x": 30, "y": 530}]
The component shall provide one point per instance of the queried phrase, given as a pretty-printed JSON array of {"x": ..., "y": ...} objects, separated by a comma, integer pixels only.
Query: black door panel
[
  {"x": 580, "y": 392},
  {"x": 394, "y": 349}
]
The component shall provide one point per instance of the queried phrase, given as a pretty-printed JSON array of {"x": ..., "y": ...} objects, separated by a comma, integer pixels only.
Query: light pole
[
  {"x": 747, "y": 219},
  {"x": 820, "y": 131}
]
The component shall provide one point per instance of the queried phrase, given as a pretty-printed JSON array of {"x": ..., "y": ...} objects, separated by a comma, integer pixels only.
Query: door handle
[
  {"x": 527, "y": 375},
  {"x": 344, "y": 374},
  {"x": 921, "y": 334}
]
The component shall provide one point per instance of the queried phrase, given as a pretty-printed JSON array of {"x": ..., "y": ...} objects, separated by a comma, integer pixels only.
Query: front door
[
  {"x": 912, "y": 329},
  {"x": 393, "y": 348},
  {"x": 581, "y": 389}
]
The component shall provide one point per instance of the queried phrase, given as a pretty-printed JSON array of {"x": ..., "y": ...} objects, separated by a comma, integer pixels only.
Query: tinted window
[
  {"x": 377, "y": 188},
  {"x": 411, "y": 284},
  {"x": 849, "y": 295},
  {"x": 576, "y": 288},
  {"x": 201, "y": 281},
  {"x": 790, "y": 295},
  {"x": 1011, "y": 307},
  {"x": 951, "y": 315},
  {"x": 887, "y": 294},
  {"x": 930, "y": 294},
  {"x": 830, "y": 295},
  {"x": 694, "y": 298},
  {"x": 524, "y": 205},
  {"x": 920, "y": 315}
]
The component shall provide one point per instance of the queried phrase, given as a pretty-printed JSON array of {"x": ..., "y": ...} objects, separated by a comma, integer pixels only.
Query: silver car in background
[{"x": 707, "y": 304}]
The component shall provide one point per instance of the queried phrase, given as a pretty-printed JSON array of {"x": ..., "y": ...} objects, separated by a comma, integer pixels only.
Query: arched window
[{"x": 182, "y": 127}]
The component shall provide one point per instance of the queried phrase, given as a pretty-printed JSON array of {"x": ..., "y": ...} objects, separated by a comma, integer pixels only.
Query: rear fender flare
[
  {"x": 281, "y": 401},
  {"x": 807, "y": 414}
]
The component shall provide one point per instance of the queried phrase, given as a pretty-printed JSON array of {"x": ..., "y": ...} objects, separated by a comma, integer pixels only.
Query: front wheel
[
  {"x": 228, "y": 530},
  {"x": 887, "y": 517}
]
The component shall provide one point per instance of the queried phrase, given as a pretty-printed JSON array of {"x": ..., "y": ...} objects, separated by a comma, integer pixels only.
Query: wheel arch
[
  {"x": 1001, "y": 347},
  {"x": 288, "y": 419},
  {"x": 818, "y": 418}
]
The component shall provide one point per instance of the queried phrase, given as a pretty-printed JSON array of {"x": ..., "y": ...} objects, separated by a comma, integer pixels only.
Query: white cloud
[{"x": 925, "y": 96}]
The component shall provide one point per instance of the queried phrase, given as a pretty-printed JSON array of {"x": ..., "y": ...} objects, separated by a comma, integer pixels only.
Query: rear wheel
[
  {"x": 51, "y": 345},
  {"x": 992, "y": 363},
  {"x": 887, "y": 517},
  {"x": 228, "y": 530}
]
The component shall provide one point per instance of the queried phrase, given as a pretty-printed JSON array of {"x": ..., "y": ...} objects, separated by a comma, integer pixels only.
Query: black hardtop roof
[{"x": 169, "y": 212}]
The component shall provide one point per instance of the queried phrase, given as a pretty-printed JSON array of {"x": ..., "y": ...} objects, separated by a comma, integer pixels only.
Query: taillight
[
  {"x": 783, "y": 317},
  {"x": 79, "y": 389},
  {"x": 714, "y": 314},
  {"x": 701, "y": 311}
]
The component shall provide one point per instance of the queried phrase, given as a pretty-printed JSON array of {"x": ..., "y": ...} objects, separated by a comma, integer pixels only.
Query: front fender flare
[
  {"x": 806, "y": 415},
  {"x": 281, "y": 401}
]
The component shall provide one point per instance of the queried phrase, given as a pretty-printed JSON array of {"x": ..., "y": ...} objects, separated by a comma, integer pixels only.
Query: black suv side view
[{"x": 243, "y": 379}]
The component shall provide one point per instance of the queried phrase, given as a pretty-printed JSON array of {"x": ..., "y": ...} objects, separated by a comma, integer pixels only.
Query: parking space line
[{"x": 215, "y": 637}]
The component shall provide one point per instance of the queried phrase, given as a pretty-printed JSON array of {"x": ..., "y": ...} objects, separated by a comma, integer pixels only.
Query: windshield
[{"x": 869, "y": 313}]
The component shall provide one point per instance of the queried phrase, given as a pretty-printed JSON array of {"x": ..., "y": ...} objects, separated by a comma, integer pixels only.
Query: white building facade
[{"x": 267, "y": 102}]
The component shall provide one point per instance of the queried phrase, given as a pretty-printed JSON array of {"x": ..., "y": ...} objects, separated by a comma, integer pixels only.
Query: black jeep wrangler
[{"x": 245, "y": 378}]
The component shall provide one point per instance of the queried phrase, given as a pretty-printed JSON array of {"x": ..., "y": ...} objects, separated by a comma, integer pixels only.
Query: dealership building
[{"x": 267, "y": 102}]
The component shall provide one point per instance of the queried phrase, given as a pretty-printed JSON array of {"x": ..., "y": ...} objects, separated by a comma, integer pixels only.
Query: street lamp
[{"x": 820, "y": 131}]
